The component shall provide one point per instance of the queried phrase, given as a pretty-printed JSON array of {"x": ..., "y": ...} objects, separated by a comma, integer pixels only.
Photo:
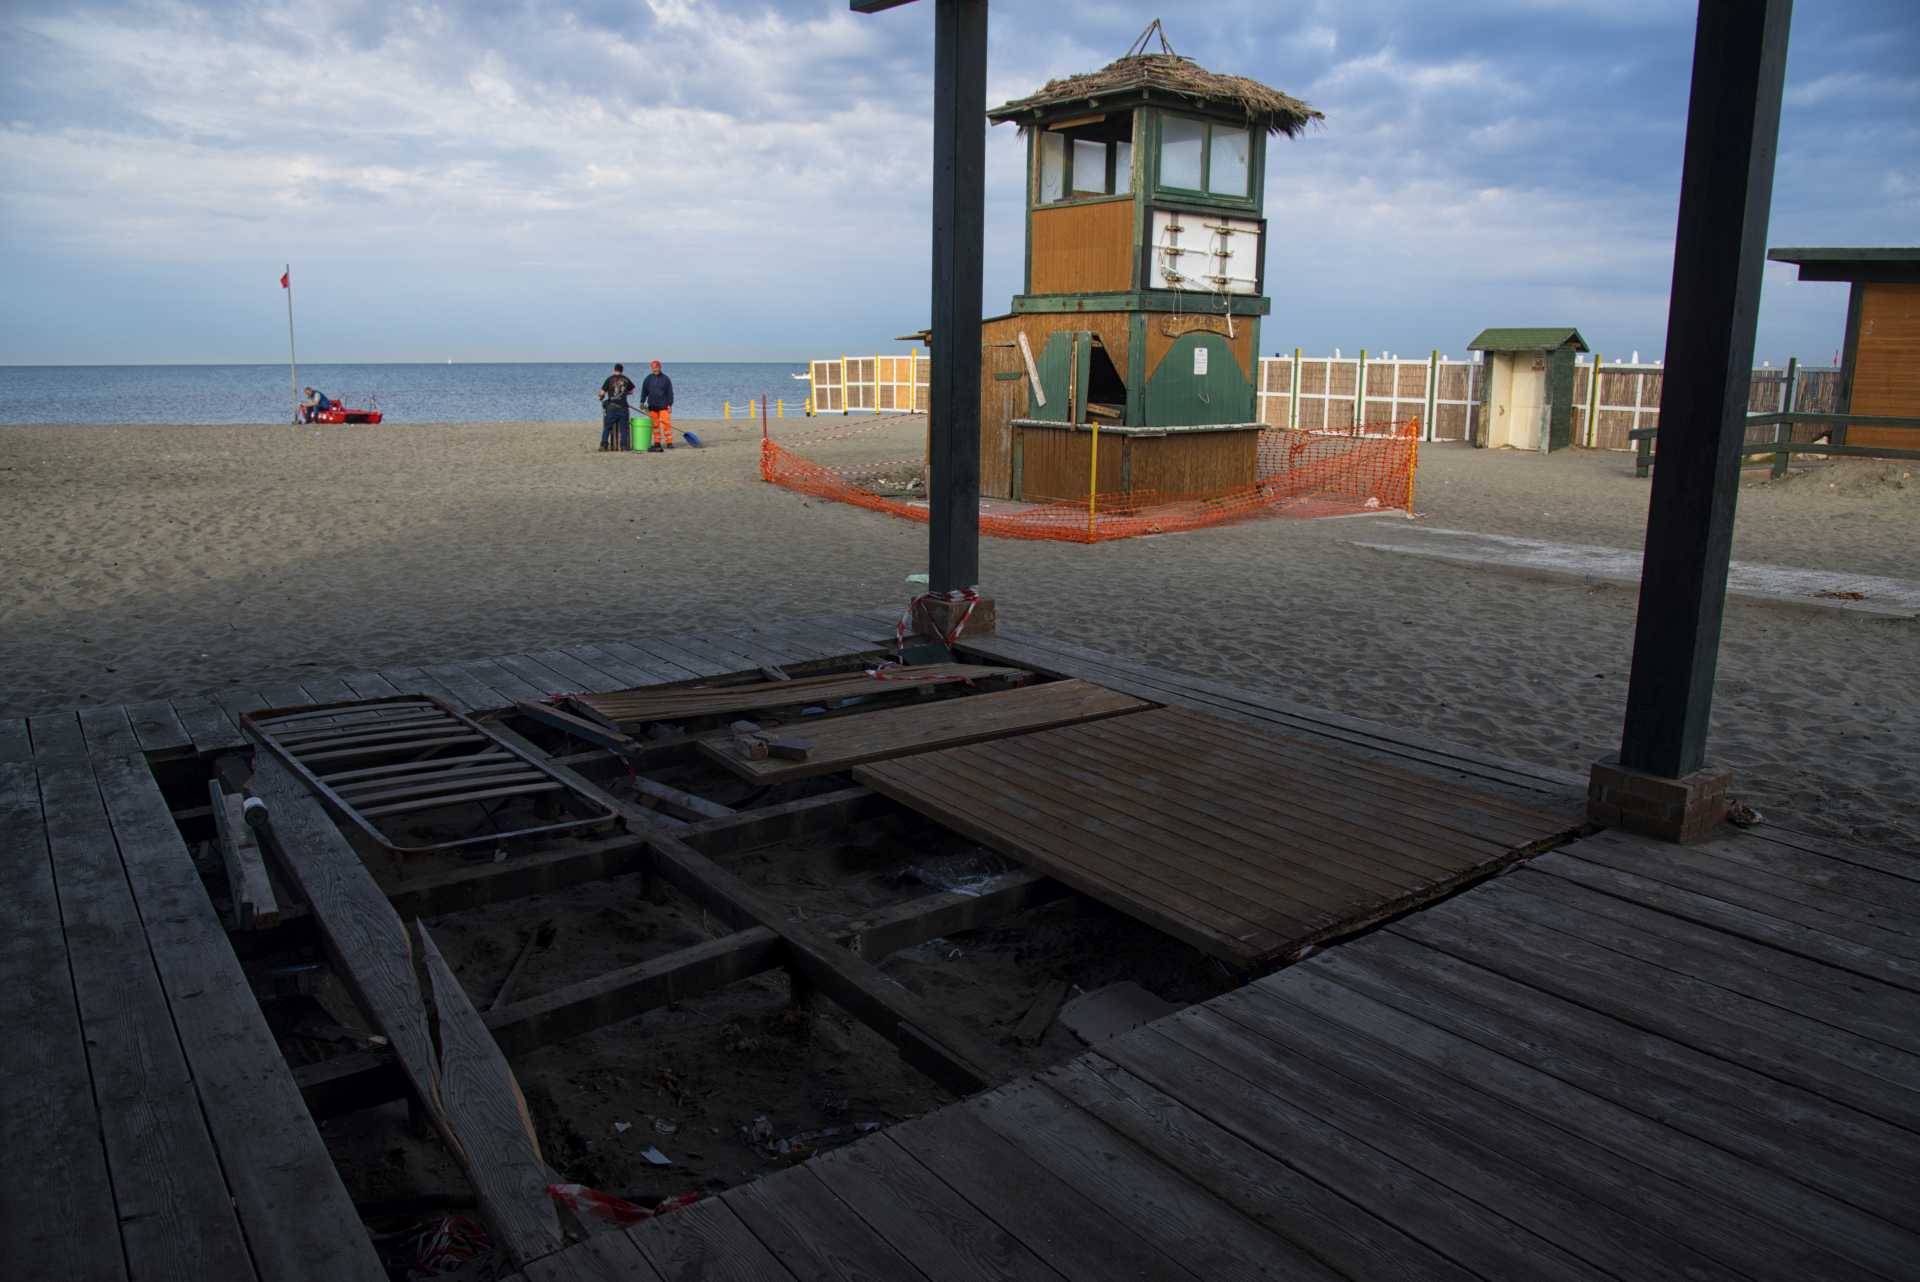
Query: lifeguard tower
[{"x": 1144, "y": 284}]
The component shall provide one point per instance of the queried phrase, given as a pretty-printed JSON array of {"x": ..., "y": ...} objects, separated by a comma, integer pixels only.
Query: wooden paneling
[
  {"x": 1002, "y": 401},
  {"x": 1246, "y": 846},
  {"x": 1886, "y": 371},
  {"x": 1083, "y": 249},
  {"x": 1195, "y": 463},
  {"x": 1054, "y": 464},
  {"x": 1165, "y": 330}
]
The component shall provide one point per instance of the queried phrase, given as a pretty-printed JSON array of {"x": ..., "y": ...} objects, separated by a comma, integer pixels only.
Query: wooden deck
[
  {"x": 1249, "y": 846},
  {"x": 1619, "y": 1060},
  {"x": 1608, "y": 1064}
]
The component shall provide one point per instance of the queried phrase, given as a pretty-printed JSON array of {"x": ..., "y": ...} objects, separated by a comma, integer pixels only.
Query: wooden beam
[
  {"x": 451, "y": 1064},
  {"x": 929, "y": 1040},
  {"x": 959, "y": 217},
  {"x": 254, "y": 904},
  {"x": 673, "y": 800},
  {"x": 822, "y": 812},
  {"x": 1726, "y": 183},
  {"x": 363, "y": 1079}
]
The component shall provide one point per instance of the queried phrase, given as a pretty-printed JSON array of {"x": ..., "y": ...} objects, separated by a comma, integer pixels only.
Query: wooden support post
[
  {"x": 1783, "y": 430},
  {"x": 959, "y": 214},
  {"x": 1726, "y": 183}
]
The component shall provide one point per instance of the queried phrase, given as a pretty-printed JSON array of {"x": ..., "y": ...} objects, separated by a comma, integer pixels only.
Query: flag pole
[{"x": 293, "y": 365}]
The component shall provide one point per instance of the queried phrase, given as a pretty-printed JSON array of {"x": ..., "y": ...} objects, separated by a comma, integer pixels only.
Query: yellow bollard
[
  {"x": 780, "y": 407},
  {"x": 726, "y": 409}
]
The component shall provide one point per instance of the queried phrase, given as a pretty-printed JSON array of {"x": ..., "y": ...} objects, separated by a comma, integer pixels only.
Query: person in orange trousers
[{"x": 656, "y": 395}]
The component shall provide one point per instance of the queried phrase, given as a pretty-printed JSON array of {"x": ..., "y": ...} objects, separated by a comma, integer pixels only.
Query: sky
[{"x": 551, "y": 181}]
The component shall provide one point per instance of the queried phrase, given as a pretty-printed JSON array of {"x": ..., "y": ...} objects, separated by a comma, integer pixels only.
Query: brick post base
[
  {"x": 935, "y": 619},
  {"x": 1685, "y": 809}
]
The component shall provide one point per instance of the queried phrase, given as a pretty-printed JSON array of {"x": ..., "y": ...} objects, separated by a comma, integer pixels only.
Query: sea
[{"x": 494, "y": 393}]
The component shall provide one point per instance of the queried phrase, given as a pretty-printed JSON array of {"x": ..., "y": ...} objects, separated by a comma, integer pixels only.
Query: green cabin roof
[{"x": 1527, "y": 340}]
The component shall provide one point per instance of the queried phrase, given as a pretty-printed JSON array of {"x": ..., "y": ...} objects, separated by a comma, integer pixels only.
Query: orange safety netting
[{"x": 1301, "y": 473}]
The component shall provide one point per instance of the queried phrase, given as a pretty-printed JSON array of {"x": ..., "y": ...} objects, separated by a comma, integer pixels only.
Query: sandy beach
[{"x": 152, "y": 561}]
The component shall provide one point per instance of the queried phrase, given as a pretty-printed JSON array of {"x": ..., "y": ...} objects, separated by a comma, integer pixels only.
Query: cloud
[{"x": 511, "y": 178}]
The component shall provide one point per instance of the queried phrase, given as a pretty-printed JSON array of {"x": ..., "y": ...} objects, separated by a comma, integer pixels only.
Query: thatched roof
[{"x": 1164, "y": 75}]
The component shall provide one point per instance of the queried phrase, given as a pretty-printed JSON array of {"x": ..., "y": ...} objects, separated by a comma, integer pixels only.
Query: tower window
[
  {"x": 1083, "y": 158},
  {"x": 1201, "y": 155}
]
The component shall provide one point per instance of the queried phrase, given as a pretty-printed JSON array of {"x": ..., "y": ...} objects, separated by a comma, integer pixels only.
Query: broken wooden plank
[
  {"x": 254, "y": 904},
  {"x": 449, "y": 1059},
  {"x": 630, "y": 707},
  {"x": 843, "y": 742},
  {"x": 1039, "y": 1017}
]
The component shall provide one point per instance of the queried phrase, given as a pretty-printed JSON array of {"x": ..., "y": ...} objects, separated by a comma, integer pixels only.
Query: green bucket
[{"x": 642, "y": 425}]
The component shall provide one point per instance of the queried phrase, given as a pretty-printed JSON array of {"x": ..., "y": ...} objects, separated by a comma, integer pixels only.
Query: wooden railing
[{"x": 1783, "y": 446}]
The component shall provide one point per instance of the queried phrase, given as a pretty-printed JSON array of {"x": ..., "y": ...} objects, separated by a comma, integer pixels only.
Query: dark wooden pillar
[
  {"x": 1726, "y": 184},
  {"x": 959, "y": 218}
]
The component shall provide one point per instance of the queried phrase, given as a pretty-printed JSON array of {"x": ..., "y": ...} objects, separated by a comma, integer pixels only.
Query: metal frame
[{"x": 407, "y": 726}]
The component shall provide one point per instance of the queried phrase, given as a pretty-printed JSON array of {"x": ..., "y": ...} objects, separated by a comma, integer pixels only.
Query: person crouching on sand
[
  {"x": 656, "y": 394},
  {"x": 313, "y": 405},
  {"x": 613, "y": 407}
]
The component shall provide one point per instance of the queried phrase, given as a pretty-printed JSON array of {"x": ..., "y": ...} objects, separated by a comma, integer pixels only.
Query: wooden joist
[
  {"x": 674, "y": 801},
  {"x": 842, "y": 742},
  {"x": 363, "y": 1079},
  {"x": 248, "y": 886},
  {"x": 451, "y": 1062}
]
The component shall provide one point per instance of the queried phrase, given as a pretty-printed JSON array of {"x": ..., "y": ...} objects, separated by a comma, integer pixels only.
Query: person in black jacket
[
  {"x": 613, "y": 408},
  {"x": 656, "y": 394}
]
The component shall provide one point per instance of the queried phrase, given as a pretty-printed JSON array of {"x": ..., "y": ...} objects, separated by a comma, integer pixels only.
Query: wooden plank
[
  {"x": 1582, "y": 1200},
  {"x": 948, "y": 913},
  {"x": 1750, "y": 1218},
  {"x": 1732, "y": 919},
  {"x": 1207, "y": 1235},
  {"x": 464, "y": 690},
  {"x": 788, "y": 821},
  {"x": 1796, "y": 1135},
  {"x": 174, "y": 1206},
  {"x": 692, "y": 656},
  {"x": 158, "y": 726},
  {"x": 371, "y": 685},
  {"x": 628, "y": 675},
  {"x": 686, "y": 661},
  {"x": 1088, "y": 863},
  {"x": 327, "y": 690},
  {"x": 254, "y": 904},
  {"x": 1364, "y": 1158},
  {"x": 604, "y": 1257},
  {"x": 1052, "y": 1217},
  {"x": 946, "y": 1238},
  {"x": 463, "y": 1083},
  {"x": 237, "y": 701},
  {"x": 1686, "y": 1010},
  {"x": 507, "y": 683},
  {"x": 757, "y": 650},
  {"x": 809, "y": 1231},
  {"x": 1059, "y": 658},
  {"x": 57, "y": 1217},
  {"x": 208, "y": 726},
  {"x": 658, "y": 671},
  {"x": 1034, "y": 1024},
  {"x": 1875, "y": 889},
  {"x": 542, "y": 677},
  {"x": 848, "y": 741},
  {"x": 705, "y": 1242},
  {"x": 1891, "y": 862},
  {"x": 585, "y": 675},
  {"x": 297, "y": 1217},
  {"x": 1847, "y": 1001},
  {"x": 1751, "y": 888},
  {"x": 672, "y": 799},
  {"x": 1333, "y": 1229}
]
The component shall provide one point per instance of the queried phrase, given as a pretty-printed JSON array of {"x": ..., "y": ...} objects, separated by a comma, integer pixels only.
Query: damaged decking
[{"x": 1623, "y": 1059}]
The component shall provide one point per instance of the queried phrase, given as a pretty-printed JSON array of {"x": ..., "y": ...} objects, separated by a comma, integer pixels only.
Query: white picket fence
[{"x": 1332, "y": 393}]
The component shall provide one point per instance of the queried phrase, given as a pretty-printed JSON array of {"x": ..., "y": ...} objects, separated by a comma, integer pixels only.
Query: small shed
[
  {"x": 1880, "y": 361},
  {"x": 1527, "y": 393}
]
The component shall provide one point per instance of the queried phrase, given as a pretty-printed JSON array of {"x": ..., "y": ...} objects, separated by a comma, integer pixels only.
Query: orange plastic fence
[{"x": 1300, "y": 473}]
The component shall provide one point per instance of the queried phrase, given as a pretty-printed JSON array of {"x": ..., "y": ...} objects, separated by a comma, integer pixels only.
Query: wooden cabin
[
  {"x": 1144, "y": 286},
  {"x": 1527, "y": 394},
  {"x": 1880, "y": 360}
]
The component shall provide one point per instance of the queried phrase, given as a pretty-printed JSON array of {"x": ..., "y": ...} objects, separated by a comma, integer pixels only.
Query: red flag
[{"x": 283, "y": 278}]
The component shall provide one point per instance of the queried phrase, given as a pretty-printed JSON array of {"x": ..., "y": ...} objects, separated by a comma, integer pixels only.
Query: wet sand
[{"x": 145, "y": 562}]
